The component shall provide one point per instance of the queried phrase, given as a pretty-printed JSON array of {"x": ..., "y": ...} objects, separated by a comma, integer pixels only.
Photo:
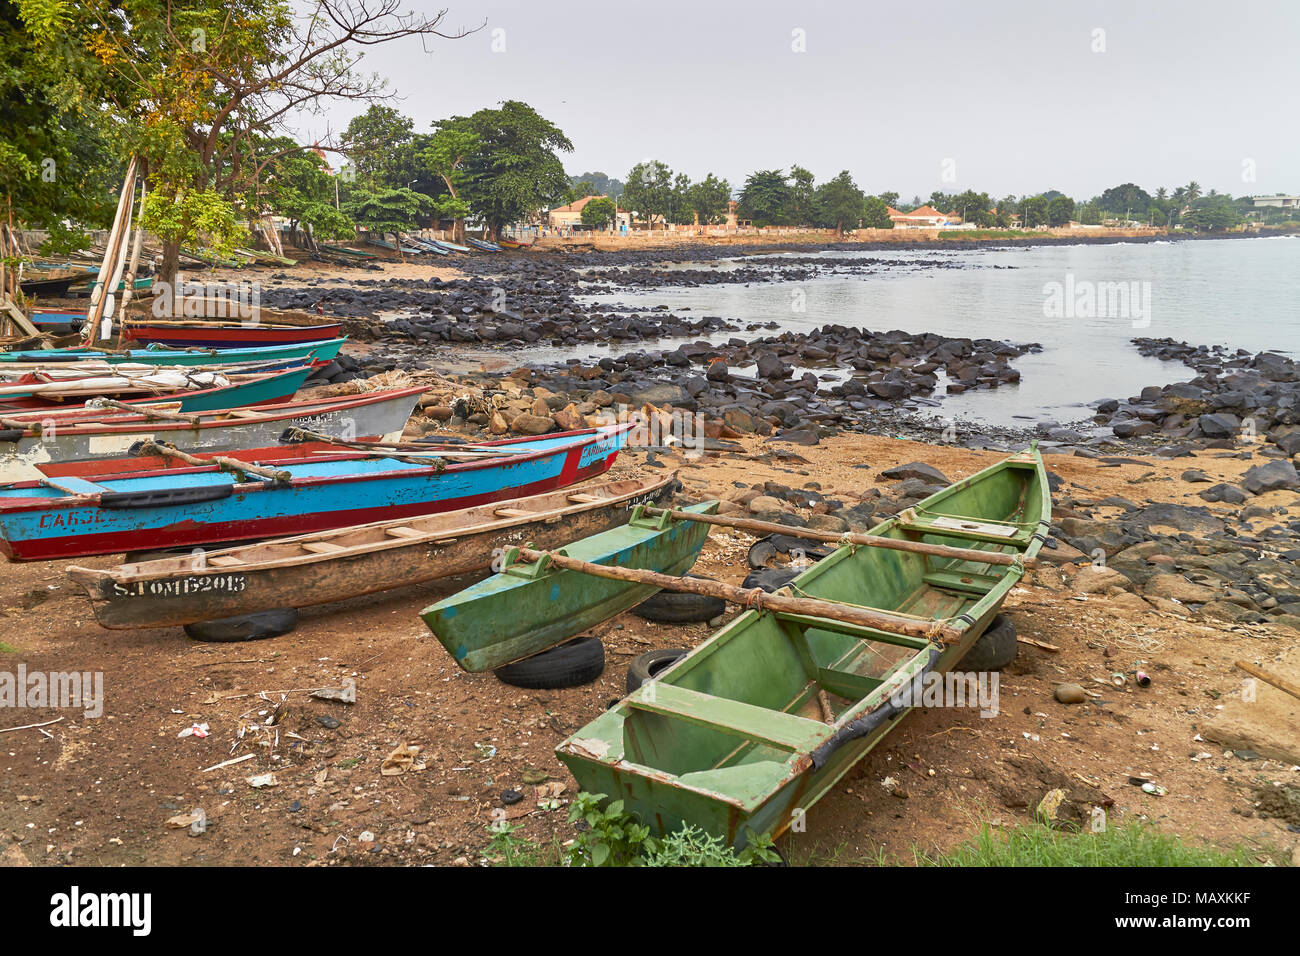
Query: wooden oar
[
  {"x": 221, "y": 461},
  {"x": 868, "y": 540},
  {"x": 294, "y": 433},
  {"x": 148, "y": 412},
  {"x": 1280, "y": 683},
  {"x": 758, "y": 598}
]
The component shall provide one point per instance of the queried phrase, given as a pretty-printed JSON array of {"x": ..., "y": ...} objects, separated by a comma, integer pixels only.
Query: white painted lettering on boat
[{"x": 183, "y": 587}]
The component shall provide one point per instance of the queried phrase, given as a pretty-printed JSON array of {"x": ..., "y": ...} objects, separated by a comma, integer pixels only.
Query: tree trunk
[
  {"x": 458, "y": 231},
  {"x": 171, "y": 261}
]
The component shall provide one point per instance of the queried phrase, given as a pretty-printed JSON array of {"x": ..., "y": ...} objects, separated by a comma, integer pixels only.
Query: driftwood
[
  {"x": 165, "y": 450},
  {"x": 759, "y": 599},
  {"x": 867, "y": 540},
  {"x": 148, "y": 412}
]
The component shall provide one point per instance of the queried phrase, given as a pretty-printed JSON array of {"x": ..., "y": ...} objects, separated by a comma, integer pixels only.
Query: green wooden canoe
[
  {"x": 530, "y": 607},
  {"x": 734, "y": 737}
]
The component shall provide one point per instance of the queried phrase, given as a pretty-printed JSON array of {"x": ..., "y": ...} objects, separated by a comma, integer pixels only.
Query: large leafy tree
[
  {"x": 515, "y": 169},
  {"x": 1060, "y": 210},
  {"x": 649, "y": 191},
  {"x": 299, "y": 187},
  {"x": 1034, "y": 211},
  {"x": 765, "y": 198},
  {"x": 596, "y": 184},
  {"x": 802, "y": 209},
  {"x": 193, "y": 87},
  {"x": 839, "y": 203},
  {"x": 710, "y": 199},
  {"x": 1126, "y": 199},
  {"x": 445, "y": 155},
  {"x": 875, "y": 212},
  {"x": 380, "y": 145},
  {"x": 1212, "y": 213},
  {"x": 598, "y": 213}
]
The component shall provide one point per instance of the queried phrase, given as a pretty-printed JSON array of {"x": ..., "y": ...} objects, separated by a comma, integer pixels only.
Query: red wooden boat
[{"x": 226, "y": 335}]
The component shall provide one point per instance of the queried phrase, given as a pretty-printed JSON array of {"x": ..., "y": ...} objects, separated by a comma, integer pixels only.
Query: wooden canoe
[
  {"x": 756, "y": 724},
  {"x": 242, "y": 390},
  {"x": 85, "y": 512},
  {"x": 31, "y": 442},
  {"x": 336, "y": 565},
  {"x": 528, "y": 607},
  {"x": 324, "y": 351},
  {"x": 184, "y": 334}
]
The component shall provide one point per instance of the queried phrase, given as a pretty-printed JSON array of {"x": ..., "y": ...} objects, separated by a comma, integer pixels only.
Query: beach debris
[
  {"x": 1070, "y": 694},
  {"x": 260, "y": 780},
  {"x": 227, "y": 763},
  {"x": 346, "y": 694},
  {"x": 510, "y": 797},
  {"x": 1048, "y": 809},
  {"x": 194, "y": 730},
  {"x": 1154, "y": 789},
  {"x": 1142, "y": 678},
  {"x": 405, "y": 756}
]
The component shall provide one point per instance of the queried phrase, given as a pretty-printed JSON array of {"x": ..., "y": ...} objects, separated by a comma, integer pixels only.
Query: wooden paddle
[
  {"x": 165, "y": 450},
  {"x": 759, "y": 599},
  {"x": 867, "y": 540}
]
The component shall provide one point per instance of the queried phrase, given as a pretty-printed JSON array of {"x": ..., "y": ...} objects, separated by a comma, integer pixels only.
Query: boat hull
[
  {"x": 753, "y": 726},
  {"x": 259, "y": 390},
  {"x": 515, "y": 614},
  {"x": 49, "y": 521},
  {"x": 324, "y": 351},
  {"x": 457, "y": 542},
  {"x": 380, "y": 416},
  {"x": 229, "y": 336}
]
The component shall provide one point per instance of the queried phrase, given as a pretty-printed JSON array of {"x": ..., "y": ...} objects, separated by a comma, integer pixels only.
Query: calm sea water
[{"x": 1242, "y": 293}]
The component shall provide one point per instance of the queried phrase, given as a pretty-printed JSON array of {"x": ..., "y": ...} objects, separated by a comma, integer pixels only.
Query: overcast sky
[{"x": 1003, "y": 97}]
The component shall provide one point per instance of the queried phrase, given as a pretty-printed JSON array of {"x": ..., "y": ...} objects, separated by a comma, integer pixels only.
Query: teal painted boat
[
  {"x": 529, "y": 607},
  {"x": 324, "y": 351},
  {"x": 753, "y": 726}
]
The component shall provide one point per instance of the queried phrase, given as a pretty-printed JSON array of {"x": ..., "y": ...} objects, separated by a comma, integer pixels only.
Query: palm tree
[
  {"x": 1162, "y": 194},
  {"x": 1193, "y": 191}
]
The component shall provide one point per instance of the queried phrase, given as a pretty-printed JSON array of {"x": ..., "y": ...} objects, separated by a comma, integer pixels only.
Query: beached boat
[
  {"x": 31, "y": 441},
  {"x": 528, "y": 608},
  {"x": 482, "y": 245},
  {"x": 325, "y": 351},
  {"x": 56, "y": 321},
  {"x": 84, "y": 513},
  {"x": 393, "y": 247},
  {"x": 336, "y": 565},
  {"x": 426, "y": 245},
  {"x": 513, "y": 244},
  {"x": 183, "y": 334},
  {"x": 244, "y": 390},
  {"x": 450, "y": 246},
  {"x": 345, "y": 251},
  {"x": 756, "y": 724}
]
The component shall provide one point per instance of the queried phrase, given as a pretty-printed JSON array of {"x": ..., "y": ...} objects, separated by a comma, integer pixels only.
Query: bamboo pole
[
  {"x": 303, "y": 434},
  {"x": 1280, "y": 683},
  {"x": 99, "y": 291},
  {"x": 758, "y": 598},
  {"x": 149, "y": 413},
  {"x": 867, "y": 540},
  {"x": 128, "y": 289},
  {"x": 165, "y": 450}
]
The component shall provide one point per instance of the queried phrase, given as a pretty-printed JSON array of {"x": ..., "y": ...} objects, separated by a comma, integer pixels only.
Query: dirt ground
[{"x": 103, "y": 790}]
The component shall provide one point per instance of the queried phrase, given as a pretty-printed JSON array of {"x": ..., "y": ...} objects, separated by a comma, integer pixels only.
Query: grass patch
[
  {"x": 7, "y": 648},
  {"x": 1134, "y": 844}
]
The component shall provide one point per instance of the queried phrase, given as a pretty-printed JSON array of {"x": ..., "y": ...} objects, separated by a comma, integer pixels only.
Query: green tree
[
  {"x": 840, "y": 204},
  {"x": 380, "y": 147},
  {"x": 1033, "y": 211},
  {"x": 445, "y": 156},
  {"x": 649, "y": 191},
  {"x": 1212, "y": 214},
  {"x": 298, "y": 187},
  {"x": 710, "y": 199},
  {"x": 1126, "y": 199},
  {"x": 386, "y": 210},
  {"x": 515, "y": 170},
  {"x": 1060, "y": 210},
  {"x": 599, "y": 213},
  {"x": 802, "y": 210},
  {"x": 765, "y": 198},
  {"x": 583, "y": 189},
  {"x": 600, "y": 185},
  {"x": 875, "y": 213},
  {"x": 889, "y": 199}
]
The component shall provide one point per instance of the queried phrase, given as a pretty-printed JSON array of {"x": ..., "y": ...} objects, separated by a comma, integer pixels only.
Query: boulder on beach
[{"x": 915, "y": 469}]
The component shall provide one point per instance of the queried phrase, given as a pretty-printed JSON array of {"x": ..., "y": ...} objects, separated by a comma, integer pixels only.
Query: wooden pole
[
  {"x": 1280, "y": 683},
  {"x": 128, "y": 289},
  {"x": 867, "y": 540},
  {"x": 165, "y": 450},
  {"x": 100, "y": 291},
  {"x": 758, "y": 598},
  {"x": 303, "y": 434},
  {"x": 148, "y": 412}
]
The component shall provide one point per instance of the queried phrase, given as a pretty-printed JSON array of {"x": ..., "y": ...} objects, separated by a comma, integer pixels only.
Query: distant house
[
  {"x": 927, "y": 217},
  {"x": 570, "y": 216},
  {"x": 1277, "y": 202}
]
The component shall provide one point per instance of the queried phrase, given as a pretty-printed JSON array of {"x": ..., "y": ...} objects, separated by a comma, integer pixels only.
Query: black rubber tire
[
  {"x": 245, "y": 627},
  {"x": 770, "y": 579},
  {"x": 674, "y": 607},
  {"x": 650, "y": 665},
  {"x": 578, "y": 662},
  {"x": 994, "y": 649}
]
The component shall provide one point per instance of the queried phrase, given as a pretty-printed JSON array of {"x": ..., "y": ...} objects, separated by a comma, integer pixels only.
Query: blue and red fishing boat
[
  {"x": 84, "y": 514},
  {"x": 226, "y": 335}
]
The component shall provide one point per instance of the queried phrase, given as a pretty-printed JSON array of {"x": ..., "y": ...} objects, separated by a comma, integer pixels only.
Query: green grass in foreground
[
  {"x": 1134, "y": 844},
  {"x": 7, "y": 648}
]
